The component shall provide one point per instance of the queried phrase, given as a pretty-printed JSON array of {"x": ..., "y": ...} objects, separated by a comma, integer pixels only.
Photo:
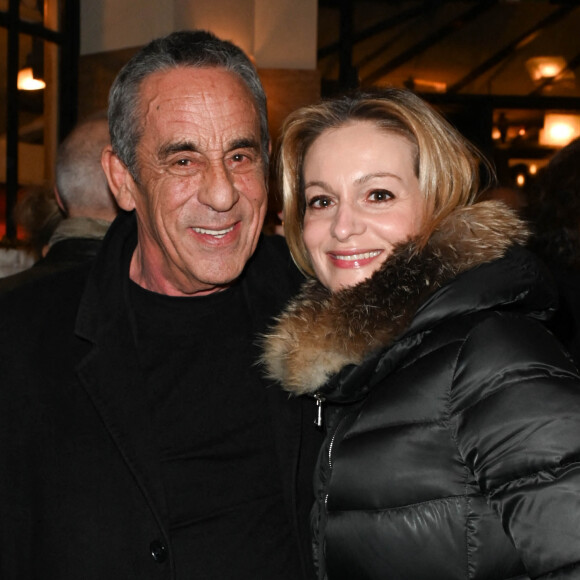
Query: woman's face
[{"x": 362, "y": 198}]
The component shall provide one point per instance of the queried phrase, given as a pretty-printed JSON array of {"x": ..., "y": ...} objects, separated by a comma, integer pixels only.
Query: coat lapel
[{"x": 111, "y": 373}]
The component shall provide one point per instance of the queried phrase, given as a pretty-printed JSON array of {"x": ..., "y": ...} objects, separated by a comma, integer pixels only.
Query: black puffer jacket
[{"x": 453, "y": 446}]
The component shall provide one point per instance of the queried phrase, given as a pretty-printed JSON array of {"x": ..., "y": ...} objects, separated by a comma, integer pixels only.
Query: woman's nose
[{"x": 347, "y": 222}]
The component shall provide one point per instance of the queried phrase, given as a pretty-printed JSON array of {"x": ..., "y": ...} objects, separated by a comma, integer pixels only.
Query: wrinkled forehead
[{"x": 212, "y": 103}]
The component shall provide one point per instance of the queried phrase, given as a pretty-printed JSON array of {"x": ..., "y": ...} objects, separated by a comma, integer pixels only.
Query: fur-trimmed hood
[{"x": 319, "y": 333}]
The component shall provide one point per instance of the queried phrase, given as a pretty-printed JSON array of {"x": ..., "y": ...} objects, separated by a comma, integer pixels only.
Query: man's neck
[{"x": 153, "y": 279}]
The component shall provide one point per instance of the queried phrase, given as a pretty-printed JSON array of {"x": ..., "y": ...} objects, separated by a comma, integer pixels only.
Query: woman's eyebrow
[
  {"x": 370, "y": 176},
  {"x": 321, "y": 184}
]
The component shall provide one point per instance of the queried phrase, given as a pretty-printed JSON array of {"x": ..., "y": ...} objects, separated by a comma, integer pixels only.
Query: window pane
[
  {"x": 3, "y": 50},
  {"x": 53, "y": 10},
  {"x": 32, "y": 11},
  {"x": 31, "y": 111},
  {"x": 45, "y": 13}
]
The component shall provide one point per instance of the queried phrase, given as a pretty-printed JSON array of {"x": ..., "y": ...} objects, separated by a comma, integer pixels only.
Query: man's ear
[
  {"x": 120, "y": 180},
  {"x": 59, "y": 201}
]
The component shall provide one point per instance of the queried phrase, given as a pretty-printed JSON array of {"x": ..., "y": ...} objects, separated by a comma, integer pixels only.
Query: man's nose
[
  {"x": 347, "y": 222},
  {"x": 219, "y": 191}
]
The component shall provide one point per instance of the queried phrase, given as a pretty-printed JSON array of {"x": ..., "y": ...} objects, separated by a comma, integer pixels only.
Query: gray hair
[
  {"x": 80, "y": 180},
  {"x": 190, "y": 48}
]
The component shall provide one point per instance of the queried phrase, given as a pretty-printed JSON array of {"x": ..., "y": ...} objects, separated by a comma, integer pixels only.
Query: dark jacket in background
[
  {"x": 566, "y": 322},
  {"x": 76, "y": 240},
  {"x": 80, "y": 494},
  {"x": 453, "y": 424}
]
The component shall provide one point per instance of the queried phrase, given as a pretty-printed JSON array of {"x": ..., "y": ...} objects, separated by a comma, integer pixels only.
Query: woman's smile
[{"x": 355, "y": 259}]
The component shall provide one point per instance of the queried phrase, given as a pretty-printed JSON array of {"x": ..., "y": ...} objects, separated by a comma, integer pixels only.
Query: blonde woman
[{"x": 452, "y": 415}]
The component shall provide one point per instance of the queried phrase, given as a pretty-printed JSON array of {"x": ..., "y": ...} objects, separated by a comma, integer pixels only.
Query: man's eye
[
  {"x": 243, "y": 158},
  {"x": 183, "y": 166},
  {"x": 380, "y": 195},
  {"x": 242, "y": 161}
]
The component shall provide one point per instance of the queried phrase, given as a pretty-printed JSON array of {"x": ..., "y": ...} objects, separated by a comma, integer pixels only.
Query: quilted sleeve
[{"x": 516, "y": 405}]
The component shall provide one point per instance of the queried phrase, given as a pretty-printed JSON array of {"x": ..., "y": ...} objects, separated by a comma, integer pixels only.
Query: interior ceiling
[
  {"x": 470, "y": 47},
  {"x": 473, "y": 47}
]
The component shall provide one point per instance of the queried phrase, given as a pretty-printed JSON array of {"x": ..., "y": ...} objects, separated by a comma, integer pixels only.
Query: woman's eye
[
  {"x": 380, "y": 195},
  {"x": 319, "y": 202}
]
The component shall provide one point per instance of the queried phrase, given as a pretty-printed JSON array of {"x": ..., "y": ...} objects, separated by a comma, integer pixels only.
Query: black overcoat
[{"x": 80, "y": 495}]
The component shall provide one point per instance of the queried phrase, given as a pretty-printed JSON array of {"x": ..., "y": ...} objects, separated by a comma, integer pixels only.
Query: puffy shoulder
[
  {"x": 516, "y": 418},
  {"x": 504, "y": 349},
  {"x": 515, "y": 398}
]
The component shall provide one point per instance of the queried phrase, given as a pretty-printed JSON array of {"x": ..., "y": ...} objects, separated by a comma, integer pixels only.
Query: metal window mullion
[{"x": 12, "y": 117}]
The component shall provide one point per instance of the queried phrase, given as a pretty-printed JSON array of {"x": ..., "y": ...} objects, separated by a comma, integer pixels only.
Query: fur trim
[{"x": 319, "y": 332}]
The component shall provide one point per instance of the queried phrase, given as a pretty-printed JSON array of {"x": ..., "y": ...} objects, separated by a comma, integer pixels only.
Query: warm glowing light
[
  {"x": 533, "y": 169},
  {"x": 425, "y": 85},
  {"x": 26, "y": 82},
  {"x": 559, "y": 130},
  {"x": 521, "y": 179},
  {"x": 549, "y": 70},
  {"x": 522, "y": 132},
  {"x": 495, "y": 134},
  {"x": 545, "y": 67}
]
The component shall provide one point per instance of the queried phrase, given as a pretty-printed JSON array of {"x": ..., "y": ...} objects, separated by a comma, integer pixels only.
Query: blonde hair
[{"x": 446, "y": 164}]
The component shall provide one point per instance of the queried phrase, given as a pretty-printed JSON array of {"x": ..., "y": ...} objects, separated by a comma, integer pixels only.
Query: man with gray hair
[
  {"x": 83, "y": 195},
  {"x": 81, "y": 187},
  {"x": 138, "y": 437}
]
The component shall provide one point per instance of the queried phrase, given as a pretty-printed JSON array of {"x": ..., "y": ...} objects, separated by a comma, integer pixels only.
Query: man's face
[{"x": 201, "y": 193}]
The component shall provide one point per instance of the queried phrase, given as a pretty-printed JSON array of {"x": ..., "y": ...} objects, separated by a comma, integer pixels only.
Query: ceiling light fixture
[
  {"x": 559, "y": 129},
  {"x": 424, "y": 85},
  {"x": 541, "y": 68}
]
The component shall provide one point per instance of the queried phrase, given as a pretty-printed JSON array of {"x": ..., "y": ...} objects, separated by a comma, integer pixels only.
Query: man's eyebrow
[
  {"x": 170, "y": 148},
  {"x": 244, "y": 143}
]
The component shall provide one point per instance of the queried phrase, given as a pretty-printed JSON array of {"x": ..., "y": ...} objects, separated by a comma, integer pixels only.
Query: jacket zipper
[
  {"x": 319, "y": 401},
  {"x": 330, "y": 449}
]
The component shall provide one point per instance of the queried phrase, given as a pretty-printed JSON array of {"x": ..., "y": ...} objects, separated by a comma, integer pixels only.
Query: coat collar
[
  {"x": 105, "y": 297},
  {"x": 321, "y": 333}
]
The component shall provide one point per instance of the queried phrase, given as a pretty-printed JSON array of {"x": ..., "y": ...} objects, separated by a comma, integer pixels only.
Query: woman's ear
[{"x": 120, "y": 179}]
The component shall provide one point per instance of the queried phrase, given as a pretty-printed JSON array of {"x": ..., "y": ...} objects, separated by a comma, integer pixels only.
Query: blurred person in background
[
  {"x": 36, "y": 215},
  {"x": 553, "y": 213},
  {"x": 78, "y": 212}
]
